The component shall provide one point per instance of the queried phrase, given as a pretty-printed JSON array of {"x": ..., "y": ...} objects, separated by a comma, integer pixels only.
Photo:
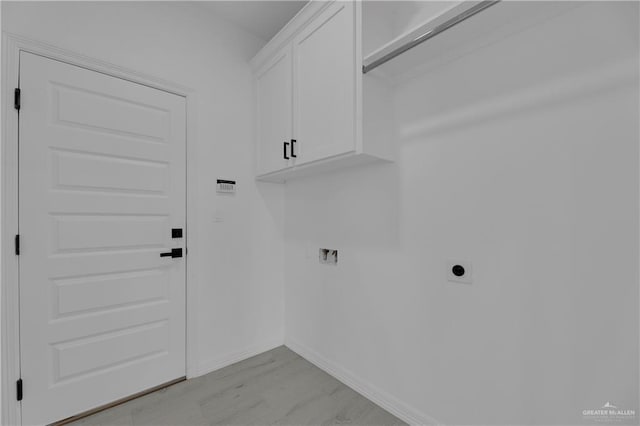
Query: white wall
[
  {"x": 521, "y": 157},
  {"x": 541, "y": 197},
  {"x": 240, "y": 258}
]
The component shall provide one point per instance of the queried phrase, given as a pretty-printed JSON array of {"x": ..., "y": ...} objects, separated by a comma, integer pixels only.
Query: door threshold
[{"x": 117, "y": 402}]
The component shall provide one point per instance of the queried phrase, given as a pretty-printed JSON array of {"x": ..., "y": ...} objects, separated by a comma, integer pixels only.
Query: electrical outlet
[
  {"x": 328, "y": 256},
  {"x": 459, "y": 271}
]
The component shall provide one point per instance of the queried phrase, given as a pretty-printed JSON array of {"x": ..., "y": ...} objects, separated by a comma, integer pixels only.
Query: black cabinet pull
[
  {"x": 284, "y": 150},
  {"x": 176, "y": 252},
  {"x": 293, "y": 142}
]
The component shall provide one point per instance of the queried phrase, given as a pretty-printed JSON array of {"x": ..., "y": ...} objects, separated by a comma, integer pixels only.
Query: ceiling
[{"x": 262, "y": 18}]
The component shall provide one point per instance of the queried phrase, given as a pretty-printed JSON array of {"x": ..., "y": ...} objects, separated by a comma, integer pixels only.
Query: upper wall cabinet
[
  {"x": 311, "y": 114},
  {"x": 325, "y": 71},
  {"x": 273, "y": 85}
]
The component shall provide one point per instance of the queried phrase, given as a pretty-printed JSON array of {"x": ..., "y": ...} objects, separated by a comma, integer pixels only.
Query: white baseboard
[
  {"x": 217, "y": 363},
  {"x": 383, "y": 399}
]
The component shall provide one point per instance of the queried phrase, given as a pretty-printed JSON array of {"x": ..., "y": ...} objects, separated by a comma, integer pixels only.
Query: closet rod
[{"x": 479, "y": 7}]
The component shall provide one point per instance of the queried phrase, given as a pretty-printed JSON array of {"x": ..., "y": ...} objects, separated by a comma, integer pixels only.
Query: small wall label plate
[
  {"x": 328, "y": 256},
  {"x": 224, "y": 186}
]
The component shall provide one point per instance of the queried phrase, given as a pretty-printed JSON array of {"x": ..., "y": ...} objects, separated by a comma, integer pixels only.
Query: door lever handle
[{"x": 176, "y": 252}]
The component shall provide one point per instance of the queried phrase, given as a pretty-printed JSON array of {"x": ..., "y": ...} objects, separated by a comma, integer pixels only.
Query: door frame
[{"x": 12, "y": 45}]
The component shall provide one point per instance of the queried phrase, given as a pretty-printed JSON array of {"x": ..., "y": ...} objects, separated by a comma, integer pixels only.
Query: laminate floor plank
[{"x": 277, "y": 387}]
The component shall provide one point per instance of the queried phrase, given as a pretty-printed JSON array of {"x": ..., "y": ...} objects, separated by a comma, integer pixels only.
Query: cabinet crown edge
[{"x": 289, "y": 31}]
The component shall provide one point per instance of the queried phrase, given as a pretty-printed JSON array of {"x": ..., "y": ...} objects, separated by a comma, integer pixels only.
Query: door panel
[
  {"x": 118, "y": 116},
  {"x": 103, "y": 292},
  {"x": 274, "y": 128},
  {"x": 102, "y": 182},
  {"x": 108, "y": 173},
  {"x": 324, "y": 70}
]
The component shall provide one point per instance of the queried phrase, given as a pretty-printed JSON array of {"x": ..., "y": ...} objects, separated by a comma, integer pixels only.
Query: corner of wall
[
  {"x": 378, "y": 396},
  {"x": 216, "y": 363}
]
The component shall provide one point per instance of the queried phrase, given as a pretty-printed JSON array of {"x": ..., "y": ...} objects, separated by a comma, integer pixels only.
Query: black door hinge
[
  {"x": 17, "y": 243},
  {"x": 19, "y": 390},
  {"x": 16, "y": 99}
]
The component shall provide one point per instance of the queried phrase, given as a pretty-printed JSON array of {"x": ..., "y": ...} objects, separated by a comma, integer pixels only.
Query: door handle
[
  {"x": 293, "y": 142},
  {"x": 176, "y": 252},
  {"x": 284, "y": 150}
]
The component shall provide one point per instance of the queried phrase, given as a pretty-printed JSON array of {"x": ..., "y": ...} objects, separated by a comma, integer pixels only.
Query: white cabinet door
[
  {"x": 102, "y": 182},
  {"x": 325, "y": 84},
  {"x": 274, "y": 113}
]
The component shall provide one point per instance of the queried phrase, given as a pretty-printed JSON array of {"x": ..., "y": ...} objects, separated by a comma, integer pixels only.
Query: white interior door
[
  {"x": 274, "y": 126},
  {"x": 325, "y": 84},
  {"x": 102, "y": 183}
]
